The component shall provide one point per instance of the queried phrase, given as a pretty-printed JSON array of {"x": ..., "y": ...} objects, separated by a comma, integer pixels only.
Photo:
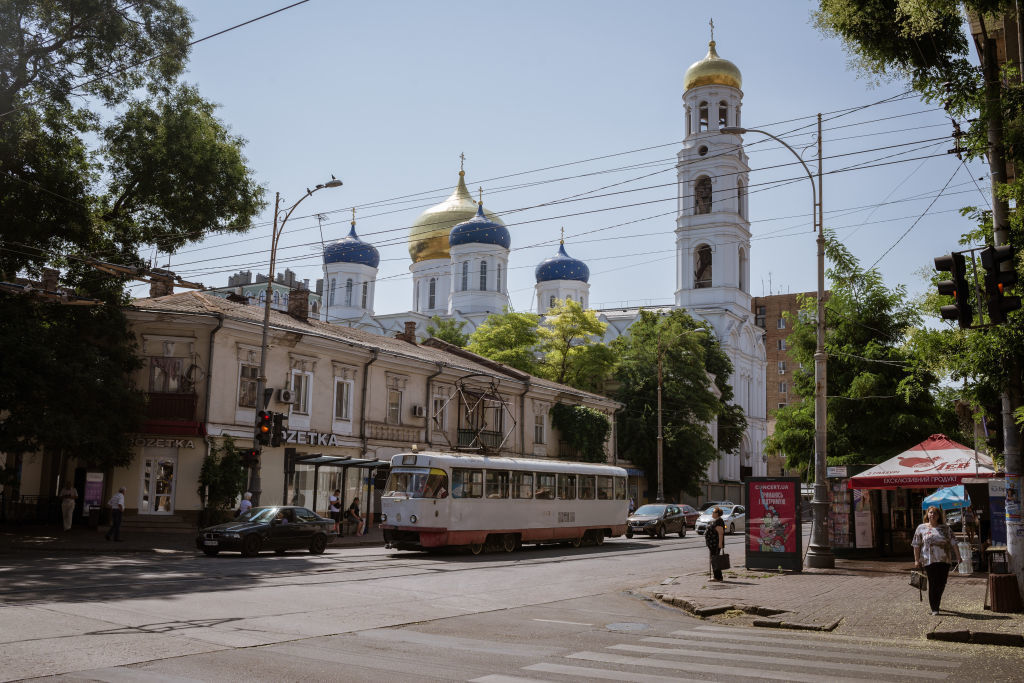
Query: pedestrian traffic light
[
  {"x": 961, "y": 310},
  {"x": 997, "y": 281},
  {"x": 251, "y": 457},
  {"x": 277, "y": 435},
  {"x": 264, "y": 426}
]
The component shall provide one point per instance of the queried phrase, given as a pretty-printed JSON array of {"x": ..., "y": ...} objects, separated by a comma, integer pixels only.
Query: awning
[{"x": 936, "y": 461}]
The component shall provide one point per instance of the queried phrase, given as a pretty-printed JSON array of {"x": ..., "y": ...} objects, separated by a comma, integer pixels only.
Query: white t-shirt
[
  {"x": 335, "y": 504},
  {"x": 117, "y": 501}
]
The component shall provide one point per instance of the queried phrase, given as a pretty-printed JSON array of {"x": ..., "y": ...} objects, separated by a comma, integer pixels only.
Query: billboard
[{"x": 773, "y": 533}]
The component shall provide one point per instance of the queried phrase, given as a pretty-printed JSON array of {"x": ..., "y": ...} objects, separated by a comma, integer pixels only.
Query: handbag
[
  {"x": 720, "y": 561},
  {"x": 920, "y": 582}
]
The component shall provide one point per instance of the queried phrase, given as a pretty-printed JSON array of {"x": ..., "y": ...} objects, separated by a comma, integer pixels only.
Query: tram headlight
[{"x": 412, "y": 518}]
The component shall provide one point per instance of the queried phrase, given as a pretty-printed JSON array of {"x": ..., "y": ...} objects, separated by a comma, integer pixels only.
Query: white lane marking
[
  {"x": 556, "y": 621},
  {"x": 777, "y": 661},
  {"x": 717, "y": 669},
  {"x": 497, "y": 678},
  {"x": 583, "y": 673}
]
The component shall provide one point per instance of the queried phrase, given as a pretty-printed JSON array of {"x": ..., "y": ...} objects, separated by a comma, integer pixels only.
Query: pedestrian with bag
[
  {"x": 934, "y": 551},
  {"x": 714, "y": 537},
  {"x": 116, "y": 513}
]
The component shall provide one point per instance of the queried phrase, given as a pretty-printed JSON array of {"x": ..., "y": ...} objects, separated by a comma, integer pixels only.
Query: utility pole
[{"x": 661, "y": 466}]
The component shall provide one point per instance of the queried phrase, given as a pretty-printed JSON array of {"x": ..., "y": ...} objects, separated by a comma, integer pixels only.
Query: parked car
[
  {"x": 691, "y": 514},
  {"x": 706, "y": 507},
  {"x": 734, "y": 517},
  {"x": 278, "y": 528},
  {"x": 657, "y": 519}
]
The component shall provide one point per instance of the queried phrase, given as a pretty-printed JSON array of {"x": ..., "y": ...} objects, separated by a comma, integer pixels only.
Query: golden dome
[
  {"x": 428, "y": 236},
  {"x": 712, "y": 70}
]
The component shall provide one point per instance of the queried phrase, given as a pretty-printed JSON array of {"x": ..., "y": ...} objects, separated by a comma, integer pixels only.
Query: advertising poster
[
  {"x": 997, "y": 513},
  {"x": 93, "y": 494},
  {"x": 773, "y": 523},
  {"x": 1012, "y": 497}
]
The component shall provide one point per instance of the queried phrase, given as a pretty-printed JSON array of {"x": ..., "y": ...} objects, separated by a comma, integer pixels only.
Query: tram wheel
[
  {"x": 576, "y": 542},
  {"x": 476, "y": 548},
  {"x": 508, "y": 543},
  {"x": 598, "y": 537}
]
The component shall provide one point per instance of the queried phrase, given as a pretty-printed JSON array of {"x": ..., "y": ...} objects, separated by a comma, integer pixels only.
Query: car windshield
[
  {"x": 650, "y": 510},
  {"x": 259, "y": 515},
  {"x": 726, "y": 511},
  {"x": 417, "y": 482}
]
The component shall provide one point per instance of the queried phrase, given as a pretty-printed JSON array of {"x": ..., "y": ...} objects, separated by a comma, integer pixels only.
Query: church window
[
  {"x": 551, "y": 302},
  {"x": 263, "y": 297},
  {"x": 743, "y": 270},
  {"x": 483, "y": 276},
  {"x": 366, "y": 292},
  {"x": 723, "y": 114},
  {"x": 689, "y": 121},
  {"x": 497, "y": 286},
  {"x": 702, "y": 195},
  {"x": 277, "y": 298},
  {"x": 348, "y": 292},
  {"x": 741, "y": 199},
  {"x": 702, "y": 268},
  {"x": 334, "y": 284},
  {"x": 702, "y": 123},
  {"x": 416, "y": 297},
  {"x": 465, "y": 275},
  {"x": 431, "y": 293}
]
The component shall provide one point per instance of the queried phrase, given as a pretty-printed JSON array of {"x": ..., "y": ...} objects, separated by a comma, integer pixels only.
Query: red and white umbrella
[{"x": 936, "y": 461}]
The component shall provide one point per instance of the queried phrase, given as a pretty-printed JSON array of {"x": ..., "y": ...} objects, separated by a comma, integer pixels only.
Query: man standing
[
  {"x": 68, "y": 496},
  {"x": 116, "y": 512}
]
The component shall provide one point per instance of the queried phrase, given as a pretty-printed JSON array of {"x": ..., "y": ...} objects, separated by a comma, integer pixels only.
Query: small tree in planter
[{"x": 221, "y": 482}]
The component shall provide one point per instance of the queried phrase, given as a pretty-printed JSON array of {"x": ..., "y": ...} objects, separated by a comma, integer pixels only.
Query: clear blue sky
[{"x": 386, "y": 95}]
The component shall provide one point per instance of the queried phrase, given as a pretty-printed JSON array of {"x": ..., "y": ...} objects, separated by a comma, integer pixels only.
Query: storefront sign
[
  {"x": 310, "y": 438},
  {"x": 835, "y": 472},
  {"x": 162, "y": 443},
  {"x": 773, "y": 537}
]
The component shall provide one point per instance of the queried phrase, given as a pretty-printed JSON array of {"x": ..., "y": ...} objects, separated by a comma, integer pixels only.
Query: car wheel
[
  {"x": 476, "y": 548},
  {"x": 682, "y": 530},
  {"x": 629, "y": 534},
  {"x": 210, "y": 552},
  {"x": 661, "y": 531},
  {"x": 732, "y": 528},
  {"x": 251, "y": 545},
  {"x": 318, "y": 545}
]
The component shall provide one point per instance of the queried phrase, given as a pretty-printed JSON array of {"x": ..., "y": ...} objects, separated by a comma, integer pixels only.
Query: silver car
[{"x": 733, "y": 516}]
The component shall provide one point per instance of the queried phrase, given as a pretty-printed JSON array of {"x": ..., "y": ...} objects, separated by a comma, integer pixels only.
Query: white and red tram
[{"x": 436, "y": 500}]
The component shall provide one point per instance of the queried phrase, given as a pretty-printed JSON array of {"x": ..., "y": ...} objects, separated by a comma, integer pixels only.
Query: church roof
[
  {"x": 480, "y": 230},
  {"x": 428, "y": 236},
  {"x": 561, "y": 266},
  {"x": 351, "y": 249},
  {"x": 712, "y": 70}
]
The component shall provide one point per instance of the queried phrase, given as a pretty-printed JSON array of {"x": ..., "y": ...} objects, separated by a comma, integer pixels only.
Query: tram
[{"x": 436, "y": 500}]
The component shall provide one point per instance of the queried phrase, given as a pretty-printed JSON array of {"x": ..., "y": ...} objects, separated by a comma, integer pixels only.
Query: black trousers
[
  {"x": 714, "y": 552},
  {"x": 115, "y": 524},
  {"x": 938, "y": 573}
]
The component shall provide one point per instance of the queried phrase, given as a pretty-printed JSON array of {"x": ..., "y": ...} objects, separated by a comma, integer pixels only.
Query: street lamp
[
  {"x": 819, "y": 551},
  {"x": 261, "y": 380}
]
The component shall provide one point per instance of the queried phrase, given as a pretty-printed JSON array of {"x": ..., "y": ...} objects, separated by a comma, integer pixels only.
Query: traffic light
[
  {"x": 277, "y": 435},
  {"x": 251, "y": 457},
  {"x": 960, "y": 311},
  {"x": 998, "y": 281},
  {"x": 264, "y": 426}
]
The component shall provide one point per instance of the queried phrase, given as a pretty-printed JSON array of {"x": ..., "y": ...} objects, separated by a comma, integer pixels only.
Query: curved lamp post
[
  {"x": 261, "y": 380},
  {"x": 819, "y": 551}
]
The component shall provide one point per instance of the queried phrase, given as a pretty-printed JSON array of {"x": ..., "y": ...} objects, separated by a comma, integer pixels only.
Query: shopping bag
[
  {"x": 920, "y": 582},
  {"x": 720, "y": 561}
]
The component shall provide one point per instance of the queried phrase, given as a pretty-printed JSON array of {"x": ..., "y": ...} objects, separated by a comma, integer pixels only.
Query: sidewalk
[
  {"x": 38, "y": 537},
  {"x": 864, "y": 598}
]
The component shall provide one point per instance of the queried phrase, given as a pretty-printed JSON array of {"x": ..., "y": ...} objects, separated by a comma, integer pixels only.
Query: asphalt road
[{"x": 553, "y": 613}]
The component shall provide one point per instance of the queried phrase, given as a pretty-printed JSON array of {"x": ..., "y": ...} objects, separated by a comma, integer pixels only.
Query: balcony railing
[
  {"x": 381, "y": 431},
  {"x": 470, "y": 438},
  {"x": 171, "y": 414}
]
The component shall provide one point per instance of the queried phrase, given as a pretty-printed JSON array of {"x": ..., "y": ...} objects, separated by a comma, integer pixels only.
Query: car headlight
[
  {"x": 412, "y": 519},
  {"x": 383, "y": 517}
]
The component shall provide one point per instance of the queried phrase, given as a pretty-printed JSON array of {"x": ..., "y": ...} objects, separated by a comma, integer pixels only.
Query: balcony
[
  {"x": 488, "y": 440},
  {"x": 171, "y": 414},
  {"x": 405, "y": 434}
]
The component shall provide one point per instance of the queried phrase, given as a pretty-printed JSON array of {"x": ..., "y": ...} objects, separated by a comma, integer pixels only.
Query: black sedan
[
  {"x": 657, "y": 520},
  {"x": 277, "y": 528}
]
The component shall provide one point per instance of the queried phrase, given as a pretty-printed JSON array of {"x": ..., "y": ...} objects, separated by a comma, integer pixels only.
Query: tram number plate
[
  {"x": 567, "y": 517},
  {"x": 209, "y": 542}
]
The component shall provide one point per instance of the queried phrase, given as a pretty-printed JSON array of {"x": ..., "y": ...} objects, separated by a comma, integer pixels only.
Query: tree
[
  {"x": 584, "y": 429},
  {"x": 880, "y": 394},
  {"x": 448, "y": 330},
  {"x": 572, "y": 351},
  {"x": 510, "y": 338},
  {"x": 101, "y": 154},
  {"x": 221, "y": 480},
  {"x": 695, "y": 393}
]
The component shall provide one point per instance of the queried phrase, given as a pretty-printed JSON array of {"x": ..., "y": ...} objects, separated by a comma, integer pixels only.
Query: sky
[{"x": 570, "y": 115}]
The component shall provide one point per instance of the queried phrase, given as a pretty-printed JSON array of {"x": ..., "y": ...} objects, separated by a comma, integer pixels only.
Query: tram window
[
  {"x": 545, "y": 486},
  {"x": 522, "y": 485},
  {"x": 620, "y": 488},
  {"x": 495, "y": 484},
  {"x": 605, "y": 488},
  {"x": 467, "y": 483},
  {"x": 588, "y": 488},
  {"x": 567, "y": 487}
]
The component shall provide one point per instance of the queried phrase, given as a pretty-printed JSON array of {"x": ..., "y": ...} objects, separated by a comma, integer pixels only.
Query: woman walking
[
  {"x": 714, "y": 537},
  {"x": 934, "y": 550}
]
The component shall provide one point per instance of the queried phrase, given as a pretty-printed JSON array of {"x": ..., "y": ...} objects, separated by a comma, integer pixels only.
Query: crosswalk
[{"x": 723, "y": 653}]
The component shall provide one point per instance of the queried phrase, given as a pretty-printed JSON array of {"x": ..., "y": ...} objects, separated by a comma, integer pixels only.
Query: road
[{"x": 551, "y": 613}]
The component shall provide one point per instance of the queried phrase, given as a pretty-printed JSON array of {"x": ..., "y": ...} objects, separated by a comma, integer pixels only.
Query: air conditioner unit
[
  {"x": 419, "y": 411},
  {"x": 286, "y": 396}
]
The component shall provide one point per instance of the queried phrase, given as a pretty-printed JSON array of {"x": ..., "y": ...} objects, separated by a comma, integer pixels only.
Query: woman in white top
[
  {"x": 934, "y": 550},
  {"x": 334, "y": 507},
  {"x": 68, "y": 496}
]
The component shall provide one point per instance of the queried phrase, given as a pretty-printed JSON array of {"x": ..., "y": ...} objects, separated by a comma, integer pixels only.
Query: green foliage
[
  {"x": 222, "y": 477},
  {"x": 448, "y": 330},
  {"x": 695, "y": 393},
  {"x": 510, "y": 338},
  {"x": 584, "y": 429},
  {"x": 880, "y": 392},
  {"x": 573, "y": 354}
]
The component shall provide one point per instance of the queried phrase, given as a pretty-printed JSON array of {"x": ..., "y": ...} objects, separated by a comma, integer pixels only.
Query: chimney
[
  {"x": 161, "y": 282},
  {"x": 410, "y": 332},
  {"x": 50, "y": 280},
  {"x": 298, "y": 304}
]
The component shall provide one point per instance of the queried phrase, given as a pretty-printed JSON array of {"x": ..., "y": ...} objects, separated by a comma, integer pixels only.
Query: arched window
[
  {"x": 313, "y": 307},
  {"x": 348, "y": 292},
  {"x": 551, "y": 302},
  {"x": 743, "y": 270},
  {"x": 432, "y": 293},
  {"x": 702, "y": 267},
  {"x": 366, "y": 292},
  {"x": 334, "y": 283},
  {"x": 689, "y": 121},
  {"x": 497, "y": 286},
  {"x": 416, "y": 297},
  {"x": 723, "y": 114},
  {"x": 277, "y": 298},
  {"x": 741, "y": 199},
  {"x": 465, "y": 275},
  {"x": 263, "y": 297},
  {"x": 702, "y": 123},
  {"x": 702, "y": 195},
  {"x": 483, "y": 276}
]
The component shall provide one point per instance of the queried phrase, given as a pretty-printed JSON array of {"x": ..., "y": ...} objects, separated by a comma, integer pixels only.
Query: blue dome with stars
[
  {"x": 561, "y": 266},
  {"x": 480, "y": 230},
  {"x": 351, "y": 249}
]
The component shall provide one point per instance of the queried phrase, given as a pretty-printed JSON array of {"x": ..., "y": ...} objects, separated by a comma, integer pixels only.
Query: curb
[
  {"x": 978, "y": 638},
  {"x": 704, "y": 612}
]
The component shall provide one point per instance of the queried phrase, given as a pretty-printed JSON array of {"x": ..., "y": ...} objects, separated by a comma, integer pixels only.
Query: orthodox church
[{"x": 460, "y": 250}]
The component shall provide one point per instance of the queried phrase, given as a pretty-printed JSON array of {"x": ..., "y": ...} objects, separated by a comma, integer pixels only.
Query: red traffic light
[
  {"x": 251, "y": 456},
  {"x": 264, "y": 426}
]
